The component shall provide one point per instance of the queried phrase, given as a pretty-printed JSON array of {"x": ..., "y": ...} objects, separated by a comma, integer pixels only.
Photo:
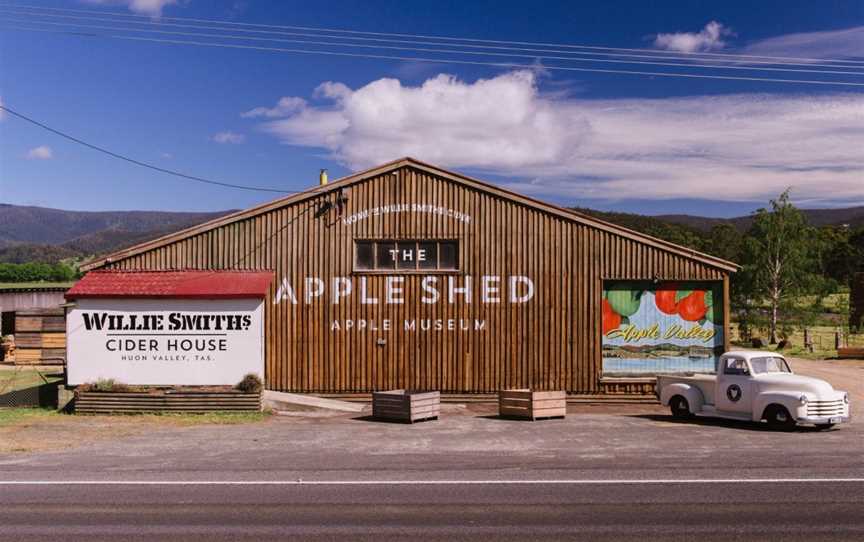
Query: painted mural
[{"x": 673, "y": 327}]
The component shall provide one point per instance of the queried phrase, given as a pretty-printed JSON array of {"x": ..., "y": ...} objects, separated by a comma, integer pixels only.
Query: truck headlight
[{"x": 803, "y": 399}]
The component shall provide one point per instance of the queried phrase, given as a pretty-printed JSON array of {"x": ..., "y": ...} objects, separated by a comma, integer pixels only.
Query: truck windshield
[{"x": 771, "y": 364}]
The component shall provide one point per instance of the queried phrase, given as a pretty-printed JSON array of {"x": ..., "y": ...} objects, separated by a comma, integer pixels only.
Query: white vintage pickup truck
[{"x": 755, "y": 386}]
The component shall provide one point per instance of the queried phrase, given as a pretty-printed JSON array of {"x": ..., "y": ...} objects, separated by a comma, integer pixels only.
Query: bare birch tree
[{"x": 780, "y": 256}]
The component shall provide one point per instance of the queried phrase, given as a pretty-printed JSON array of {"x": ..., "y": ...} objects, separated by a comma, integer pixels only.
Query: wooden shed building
[{"x": 411, "y": 276}]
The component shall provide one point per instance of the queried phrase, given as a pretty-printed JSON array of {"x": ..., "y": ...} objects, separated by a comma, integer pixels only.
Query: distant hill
[
  {"x": 49, "y": 235},
  {"x": 29, "y": 234},
  {"x": 679, "y": 233},
  {"x": 853, "y": 216}
]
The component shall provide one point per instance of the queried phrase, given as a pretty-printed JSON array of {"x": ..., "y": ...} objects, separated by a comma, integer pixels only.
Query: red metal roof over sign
[{"x": 182, "y": 284}]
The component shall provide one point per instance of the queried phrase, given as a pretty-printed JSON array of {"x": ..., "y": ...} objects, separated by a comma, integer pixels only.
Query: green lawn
[
  {"x": 12, "y": 378},
  {"x": 18, "y": 415},
  {"x": 823, "y": 338},
  {"x": 834, "y": 303}
]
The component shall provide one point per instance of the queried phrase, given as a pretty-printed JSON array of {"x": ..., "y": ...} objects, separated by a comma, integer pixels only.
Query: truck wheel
[
  {"x": 779, "y": 418},
  {"x": 680, "y": 407}
]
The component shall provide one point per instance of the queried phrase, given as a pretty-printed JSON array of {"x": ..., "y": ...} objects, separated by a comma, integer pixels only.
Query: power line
[
  {"x": 421, "y": 36},
  {"x": 433, "y": 50},
  {"x": 138, "y": 162},
  {"x": 685, "y": 57},
  {"x": 448, "y": 61}
]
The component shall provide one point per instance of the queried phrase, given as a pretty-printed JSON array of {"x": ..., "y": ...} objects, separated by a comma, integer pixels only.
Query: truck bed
[{"x": 704, "y": 382}]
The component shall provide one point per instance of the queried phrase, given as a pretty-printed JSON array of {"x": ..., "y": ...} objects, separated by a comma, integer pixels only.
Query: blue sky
[{"x": 610, "y": 141}]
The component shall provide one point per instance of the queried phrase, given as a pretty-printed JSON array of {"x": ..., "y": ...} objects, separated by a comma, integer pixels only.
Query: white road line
[{"x": 421, "y": 482}]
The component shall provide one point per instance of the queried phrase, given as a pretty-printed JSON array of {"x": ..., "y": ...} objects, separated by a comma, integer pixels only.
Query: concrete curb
[{"x": 272, "y": 399}]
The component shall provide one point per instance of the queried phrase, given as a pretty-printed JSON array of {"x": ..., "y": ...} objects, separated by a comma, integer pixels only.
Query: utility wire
[
  {"x": 446, "y": 61},
  {"x": 138, "y": 162},
  {"x": 432, "y": 50},
  {"x": 674, "y": 56},
  {"x": 421, "y": 36}
]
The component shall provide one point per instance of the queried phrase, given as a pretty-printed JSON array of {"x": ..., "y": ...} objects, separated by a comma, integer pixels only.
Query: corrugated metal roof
[
  {"x": 183, "y": 284},
  {"x": 26, "y": 287}
]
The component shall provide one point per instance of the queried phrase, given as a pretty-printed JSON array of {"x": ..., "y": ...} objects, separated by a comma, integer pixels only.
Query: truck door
[{"x": 734, "y": 391}]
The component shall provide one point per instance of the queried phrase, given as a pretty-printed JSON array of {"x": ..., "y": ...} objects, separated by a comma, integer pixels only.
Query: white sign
[{"x": 164, "y": 342}]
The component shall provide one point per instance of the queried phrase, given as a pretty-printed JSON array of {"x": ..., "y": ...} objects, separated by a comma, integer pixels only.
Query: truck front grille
[{"x": 825, "y": 408}]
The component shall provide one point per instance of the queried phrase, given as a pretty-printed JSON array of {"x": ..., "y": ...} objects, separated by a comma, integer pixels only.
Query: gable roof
[{"x": 459, "y": 178}]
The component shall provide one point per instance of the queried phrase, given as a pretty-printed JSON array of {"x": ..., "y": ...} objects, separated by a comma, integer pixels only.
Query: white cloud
[
  {"x": 734, "y": 147},
  {"x": 43, "y": 152},
  {"x": 837, "y": 44},
  {"x": 284, "y": 107},
  {"x": 709, "y": 38},
  {"x": 152, "y": 8},
  {"x": 228, "y": 137}
]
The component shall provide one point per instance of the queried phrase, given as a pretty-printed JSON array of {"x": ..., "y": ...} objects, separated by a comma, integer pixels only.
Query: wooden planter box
[
  {"x": 95, "y": 402},
  {"x": 406, "y": 406},
  {"x": 532, "y": 405}
]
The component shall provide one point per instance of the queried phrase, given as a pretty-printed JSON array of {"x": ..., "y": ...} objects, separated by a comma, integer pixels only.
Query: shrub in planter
[
  {"x": 251, "y": 383},
  {"x": 105, "y": 385}
]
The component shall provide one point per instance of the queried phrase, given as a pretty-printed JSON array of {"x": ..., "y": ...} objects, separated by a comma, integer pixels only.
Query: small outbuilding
[
  {"x": 410, "y": 276},
  {"x": 31, "y": 323}
]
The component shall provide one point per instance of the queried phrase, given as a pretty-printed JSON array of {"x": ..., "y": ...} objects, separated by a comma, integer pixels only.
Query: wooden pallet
[
  {"x": 40, "y": 340},
  {"x": 37, "y": 320},
  {"x": 40, "y": 337},
  {"x": 40, "y": 356},
  {"x": 532, "y": 405},
  {"x": 91, "y": 402},
  {"x": 406, "y": 406}
]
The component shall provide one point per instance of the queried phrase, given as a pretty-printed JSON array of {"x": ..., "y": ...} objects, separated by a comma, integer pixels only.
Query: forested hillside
[{"x": 38, "y": 234}]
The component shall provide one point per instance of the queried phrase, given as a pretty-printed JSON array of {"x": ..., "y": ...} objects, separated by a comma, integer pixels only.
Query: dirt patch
[
  {"x": 32, "y": 429},
  {"x": 843, "y": 374}
]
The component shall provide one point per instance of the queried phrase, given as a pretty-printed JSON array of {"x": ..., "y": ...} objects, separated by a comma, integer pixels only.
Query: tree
[
  {"x": 856, "y": 241},
  {"x": 37, "y": 272},
  {"x": 780, "y": 256},
  {"x": 839, "y": 257},
  {"x": 725, "y": 242}
]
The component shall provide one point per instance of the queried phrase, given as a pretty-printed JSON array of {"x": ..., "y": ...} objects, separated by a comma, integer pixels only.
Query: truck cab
[{"x": 755, "y": 386}]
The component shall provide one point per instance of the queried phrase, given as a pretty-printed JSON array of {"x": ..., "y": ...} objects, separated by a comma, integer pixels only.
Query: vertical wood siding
[{"x": 550, "y": 342}]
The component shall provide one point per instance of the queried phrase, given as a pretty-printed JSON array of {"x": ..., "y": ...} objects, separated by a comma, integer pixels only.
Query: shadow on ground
[{"x": 729, "y": 424}]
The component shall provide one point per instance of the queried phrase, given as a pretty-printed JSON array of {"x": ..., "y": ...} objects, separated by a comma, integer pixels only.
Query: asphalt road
[
  {"x": 536, "y": 511},
  {"x": 661, "y": 479}
]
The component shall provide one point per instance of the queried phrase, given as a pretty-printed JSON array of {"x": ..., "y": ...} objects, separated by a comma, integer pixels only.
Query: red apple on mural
[
  {"x": 693, "y": 308},
  {"x": 664, "y": 298},
  {"x": 611, "y": 319}
]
